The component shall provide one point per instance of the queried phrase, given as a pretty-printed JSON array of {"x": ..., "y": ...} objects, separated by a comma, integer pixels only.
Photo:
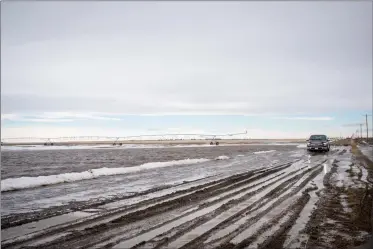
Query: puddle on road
[
  {"x": 293, "y": 235},
  {"x": 326, "y": 168},
  {"x": 40, "y": 225}
]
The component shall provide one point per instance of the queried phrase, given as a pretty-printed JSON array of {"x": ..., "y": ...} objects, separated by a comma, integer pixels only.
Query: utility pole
[{"x": 366, "y": 122}]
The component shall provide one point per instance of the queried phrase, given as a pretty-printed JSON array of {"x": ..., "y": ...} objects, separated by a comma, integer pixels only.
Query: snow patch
[
  {"x": 367, "y": 151},
  {"x": 32, "y": 182},
  {"x": 222, "y": 158},
  {"x": 264, "y": 151},
  {"x": 344, "y": 204},
  {"x": 365, "y": 174}
]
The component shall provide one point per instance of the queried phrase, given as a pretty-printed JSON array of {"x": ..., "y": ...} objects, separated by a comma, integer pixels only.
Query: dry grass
[
  {"x": 348, "y": 224},
  {"x": 365, "y": 197},
  {"x": 367, "y": 163},
  {"x": 342, "y": 142}
]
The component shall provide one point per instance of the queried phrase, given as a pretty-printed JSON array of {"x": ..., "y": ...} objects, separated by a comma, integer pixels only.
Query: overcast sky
[{"x": 69, "y": 67}]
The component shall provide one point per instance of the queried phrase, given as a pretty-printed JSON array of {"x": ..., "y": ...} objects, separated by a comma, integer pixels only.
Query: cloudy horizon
[{"x": 276, "y": 69}]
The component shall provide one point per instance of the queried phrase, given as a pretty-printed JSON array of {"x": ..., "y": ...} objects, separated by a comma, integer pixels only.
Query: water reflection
[{"x": 326, "y": 168}]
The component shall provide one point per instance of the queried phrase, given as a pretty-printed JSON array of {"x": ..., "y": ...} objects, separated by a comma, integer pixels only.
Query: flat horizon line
[{"x": 156, "y": 141}]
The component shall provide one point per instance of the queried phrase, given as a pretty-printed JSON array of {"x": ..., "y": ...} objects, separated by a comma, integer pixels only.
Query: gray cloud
[{"x": 158, "y": 57}]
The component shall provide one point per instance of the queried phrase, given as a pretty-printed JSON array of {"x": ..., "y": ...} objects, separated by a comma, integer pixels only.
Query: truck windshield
[{"x": 318, "y": 137}]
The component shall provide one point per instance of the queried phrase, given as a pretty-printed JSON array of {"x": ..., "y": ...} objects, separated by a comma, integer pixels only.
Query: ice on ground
[
  {"x": 342, "y": 178},
  {"x": 222, "y": 158},
  {"x": 31, "y": 182},
  {"x": 302, "y": 146},
  {"x": 264, "y": 151},
  {"x": 367, "y": 151},
  {"x": 344, "y": 204},
  {"x": 365, "y": 174}
]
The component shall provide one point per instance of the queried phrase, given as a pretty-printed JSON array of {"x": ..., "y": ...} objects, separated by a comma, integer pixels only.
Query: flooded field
[{"x": 268, "y": 196}]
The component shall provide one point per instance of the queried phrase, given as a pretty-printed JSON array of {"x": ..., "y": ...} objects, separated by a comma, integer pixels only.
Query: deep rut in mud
[{"x": 254, "y": 209}]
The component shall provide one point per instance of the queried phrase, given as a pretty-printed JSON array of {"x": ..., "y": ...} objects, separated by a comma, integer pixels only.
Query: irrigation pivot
[{"x": 117, "y": 140}]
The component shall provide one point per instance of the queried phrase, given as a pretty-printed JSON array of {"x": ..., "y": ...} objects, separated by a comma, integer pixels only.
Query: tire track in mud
[
  {"x": 209, "y": 217},
  {"x": 129, "y": 243},
  {"x": 16, "y": 219},
  {"x": 176, "y": 197},
  {"x": 273, "y": 199},
  {"x": 116, "y": 201},
  {"x": 213, "y": 200},
  {"x": 205, "y": 205},
  {"x": 269, "y": 234},
  {"x": 164, "y": 220}
]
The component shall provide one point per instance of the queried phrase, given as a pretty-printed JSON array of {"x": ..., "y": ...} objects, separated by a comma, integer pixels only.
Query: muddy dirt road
[{"x": 277, "y": 205}]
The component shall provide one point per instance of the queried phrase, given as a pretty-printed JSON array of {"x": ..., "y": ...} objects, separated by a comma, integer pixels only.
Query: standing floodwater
[{"x": 36, "y": 179}]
